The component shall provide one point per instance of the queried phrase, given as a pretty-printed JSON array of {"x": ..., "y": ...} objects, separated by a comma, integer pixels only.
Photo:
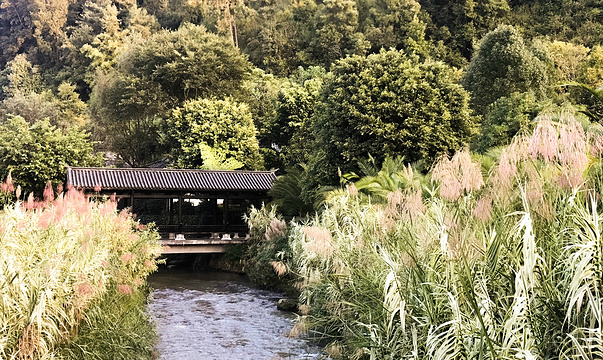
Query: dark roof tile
[{"x": 169, "y": 179}]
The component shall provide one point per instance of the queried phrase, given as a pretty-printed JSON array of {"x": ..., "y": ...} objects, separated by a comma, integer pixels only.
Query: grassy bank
[
  {"x": 72, "y": 280},
  {"x": 265, "y": 256},
  {"x": 485, "y": 257}
]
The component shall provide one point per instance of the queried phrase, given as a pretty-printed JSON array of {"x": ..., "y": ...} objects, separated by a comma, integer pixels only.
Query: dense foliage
[
  {"x": 154, "y": 75},
  {"x": 35, "y": 154},
  {"x": 474, "y": 267},
  {"x": 120, "y": 69},
  {"x": 223, "y": 125},
  {"x": 502, "y": 65},
  {"x": 269, "y": 248},
  {"x": 385, "y": 104},
  {"x": 329, "y": 93}
]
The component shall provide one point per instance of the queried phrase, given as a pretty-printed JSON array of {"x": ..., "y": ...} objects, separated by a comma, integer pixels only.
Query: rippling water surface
[{"x": 210, "y": 315}]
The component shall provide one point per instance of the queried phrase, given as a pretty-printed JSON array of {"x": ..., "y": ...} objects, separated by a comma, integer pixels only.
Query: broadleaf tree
[
  {"x": 36, "y": 153},
  {"x": 158, "y": 74},
  {"x": 224, "y": 126},
  {"x": 504, "y": 64},
  {"x": 387, "y": 104}
]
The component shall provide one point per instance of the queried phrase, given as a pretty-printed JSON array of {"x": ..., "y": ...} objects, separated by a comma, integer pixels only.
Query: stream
[{"x": 215, "y": 315}]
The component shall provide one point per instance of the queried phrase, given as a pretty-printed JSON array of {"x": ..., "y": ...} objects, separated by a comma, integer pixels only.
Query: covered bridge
[{"x": 186, "y": 204}]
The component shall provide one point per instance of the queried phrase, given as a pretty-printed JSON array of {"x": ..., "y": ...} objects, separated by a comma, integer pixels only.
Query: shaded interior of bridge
[{"x": 196, "y": 216}]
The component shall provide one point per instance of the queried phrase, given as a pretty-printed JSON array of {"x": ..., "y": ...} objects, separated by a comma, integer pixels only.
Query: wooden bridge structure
[{"x": 195, "y": 211}]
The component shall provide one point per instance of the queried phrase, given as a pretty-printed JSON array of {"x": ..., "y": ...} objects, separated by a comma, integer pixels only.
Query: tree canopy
[
  {"x": 326, "y": 82},
  {"x": 187, "y": 63},
  {"x": 225, "y": 126},
  {"x": 154, "y": 75},
  {"x": 387, "y": 104},
  {"x": 36, "y": 153},
  {"x": 504, "y": 64}
]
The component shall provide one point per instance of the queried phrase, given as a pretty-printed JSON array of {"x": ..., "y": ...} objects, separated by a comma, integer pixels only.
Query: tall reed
[
  {"x": 504, "y": 266},
  {"x": 60, "y": 259}
]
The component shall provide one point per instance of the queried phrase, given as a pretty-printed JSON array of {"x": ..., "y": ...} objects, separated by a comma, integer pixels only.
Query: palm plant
[
  {"x": 393, "y": 175},
  {"x": 288, "y": 195}
]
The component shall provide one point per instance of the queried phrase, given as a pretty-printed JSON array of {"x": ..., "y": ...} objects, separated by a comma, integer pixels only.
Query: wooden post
[
  {"x": 171, "y": 210},
  {"x": 225, "y": 217},
  {"x": 132, "y": 202},
  {"x": 180, "y": 212}
]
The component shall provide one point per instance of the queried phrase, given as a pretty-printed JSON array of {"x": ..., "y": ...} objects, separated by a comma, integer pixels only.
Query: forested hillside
[{"x": 285, "y": 83}]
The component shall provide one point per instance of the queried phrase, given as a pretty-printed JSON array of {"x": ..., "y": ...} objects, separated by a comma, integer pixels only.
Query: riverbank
[
  {"x": 217, "y": 262},
  {"x": 72, "y": 280},
  {"x": 254, "y": 259},
  {"x": 481, "y": 258}
]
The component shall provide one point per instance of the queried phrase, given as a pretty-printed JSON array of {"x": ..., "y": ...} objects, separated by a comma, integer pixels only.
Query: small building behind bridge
[{"x": 186, "y": 205}]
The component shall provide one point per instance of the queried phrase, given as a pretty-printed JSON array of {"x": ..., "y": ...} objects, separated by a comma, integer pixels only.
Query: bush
[
  {"x": 36, "y": 153},
  {"x": 269, "y": 251},
  {"x": 505, "y": 118}
]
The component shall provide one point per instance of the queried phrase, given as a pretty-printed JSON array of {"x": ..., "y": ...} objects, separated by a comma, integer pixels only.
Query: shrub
[
  {"x": 39, "y": 152},
  {"x": 269, "y": 250}
]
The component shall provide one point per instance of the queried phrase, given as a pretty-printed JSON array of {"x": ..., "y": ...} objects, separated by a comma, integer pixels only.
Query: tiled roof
[{"x": 169, "y": 179}]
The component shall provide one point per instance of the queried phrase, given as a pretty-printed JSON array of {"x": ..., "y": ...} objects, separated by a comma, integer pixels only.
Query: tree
[
  {"x": 591, "y": 70},
  {"x": 594, "y": 104},
  {"x": 32, "y": 26},
  {"x": 337, "y": 32},
  {"x": 99, "y": 25},
  {"x": 579, "y": 22},
  {"x": 260, "y": 93},
  {"x": 461, "y": 23},
  {"x": 504, "y": 64},
  {"x": 292, "y": 129},
  {"x": 505, "y": 118},
  {"x": 171, "y": 14},
  {"x": 97, "y": 34},
  {"x": 63, "y": 110},
  {"x": 270, "y": 33},
  {"x": 567, "y": 58},
  {"x": 392, "y": 24},
  {"x": 225, "y": 126},
  {"x": 39, "y": 152},
  {"x": 20, "y": 76},
  {"x": 16, "y": 29},
  {"x": 155, "y": 75},
  {"x": 386, "y": 104},
  {"x": 590, "y": 85},
  {"x": 188, "y": 63},
  {"x": 24, "y": 95},
  {"x": 124, "y": 111}
]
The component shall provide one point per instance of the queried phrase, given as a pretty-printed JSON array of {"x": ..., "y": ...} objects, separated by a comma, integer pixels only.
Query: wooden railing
[{"x": 203, "y": 231}]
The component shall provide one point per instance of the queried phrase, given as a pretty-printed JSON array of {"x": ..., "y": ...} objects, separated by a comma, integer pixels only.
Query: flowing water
[{"x": 212, "y": 315}]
